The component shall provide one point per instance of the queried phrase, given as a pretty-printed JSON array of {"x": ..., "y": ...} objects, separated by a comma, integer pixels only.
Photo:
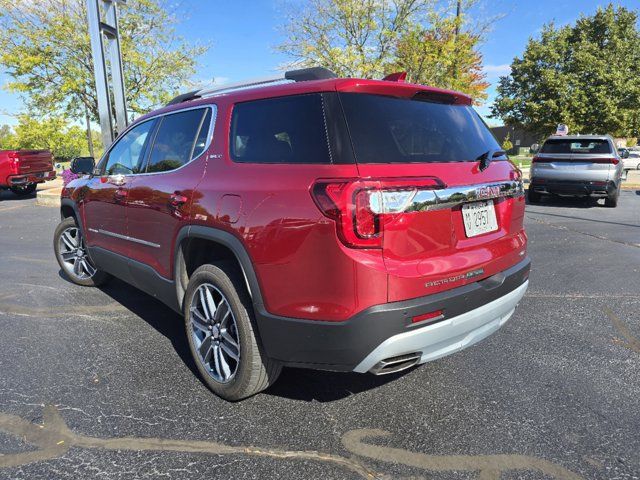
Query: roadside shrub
[{"x": 68, "y": 176}]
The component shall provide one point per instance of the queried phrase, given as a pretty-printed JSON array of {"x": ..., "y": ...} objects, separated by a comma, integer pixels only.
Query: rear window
[
  {"x": 394, "y": 130},
  {"x": 280, "y": 130},
  {"x": 576, "y": 146}
]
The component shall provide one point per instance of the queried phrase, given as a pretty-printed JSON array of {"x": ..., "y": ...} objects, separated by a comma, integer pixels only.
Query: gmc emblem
[{"x": 488, "y": 192}]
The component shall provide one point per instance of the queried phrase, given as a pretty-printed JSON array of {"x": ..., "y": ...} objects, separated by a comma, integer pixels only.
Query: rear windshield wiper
[{"x": 486, "y": 157}]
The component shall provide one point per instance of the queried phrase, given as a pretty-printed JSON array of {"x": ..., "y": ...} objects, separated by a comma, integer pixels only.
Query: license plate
[{"x": 479, "y": 218}]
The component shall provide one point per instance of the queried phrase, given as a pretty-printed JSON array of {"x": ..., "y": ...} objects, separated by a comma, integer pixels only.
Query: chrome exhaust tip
[{"x": 396, "y": 364}]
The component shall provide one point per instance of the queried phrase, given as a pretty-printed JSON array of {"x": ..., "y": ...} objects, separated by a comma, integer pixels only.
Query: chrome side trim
[
  {"x": 125, "y": 237},
  {"x": 428, "y": 200}
]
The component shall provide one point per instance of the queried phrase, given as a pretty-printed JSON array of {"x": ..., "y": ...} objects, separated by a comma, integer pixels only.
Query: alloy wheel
[
  {"x": 215, "y": 333},
  {"x": 74, "y": 254}
]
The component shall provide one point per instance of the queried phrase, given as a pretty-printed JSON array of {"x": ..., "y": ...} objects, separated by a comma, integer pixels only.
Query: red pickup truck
[{"x": 22, "y": 170}]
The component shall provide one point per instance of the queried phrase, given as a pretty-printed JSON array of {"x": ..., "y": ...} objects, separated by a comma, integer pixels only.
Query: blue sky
[{"x": 243, "y": 33}]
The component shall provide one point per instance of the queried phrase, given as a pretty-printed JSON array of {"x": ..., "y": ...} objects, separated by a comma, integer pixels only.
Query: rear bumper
[
  {"x": 470, "y": 313},
  {"x": 573, "y": 188},
  {"x": 37, "y": 177}
]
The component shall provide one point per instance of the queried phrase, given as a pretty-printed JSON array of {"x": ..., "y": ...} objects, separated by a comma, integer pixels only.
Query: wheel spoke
[
  {"x": 87, "y": 267},
  {"x": 205, "y": 349},
  {"x": 224, "y": 364},
  {"x": 77, "y": 267},
  {"x": 229, "y": 351},
  {"x": 68, "y": 256},
  {"x": 203, "y": 302},
  {"x": 228, "y": 338},
  {"x": 198, "y": 320},
  {"x": 210, "y": 303},
  {"x": 68, "y": 241},
  {"x": 222, "y": 312},
  {"x": 216, "y": 362}
]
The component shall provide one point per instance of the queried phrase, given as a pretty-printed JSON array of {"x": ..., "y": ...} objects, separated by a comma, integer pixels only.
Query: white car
[{"x": 633, "y": 161}]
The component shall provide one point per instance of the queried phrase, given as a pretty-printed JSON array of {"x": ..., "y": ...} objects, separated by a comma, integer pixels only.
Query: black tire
[
  {"x": 612, "y": 199},
  {"x": 534, "y": 197},
  {"x": 23, "y": 190},
  {"x": 254, "y": 371},
  {"x": 84, "y": 278}
]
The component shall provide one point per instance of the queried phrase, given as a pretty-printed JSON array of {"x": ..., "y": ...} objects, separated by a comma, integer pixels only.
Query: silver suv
[{"x": 579, "y": 166}]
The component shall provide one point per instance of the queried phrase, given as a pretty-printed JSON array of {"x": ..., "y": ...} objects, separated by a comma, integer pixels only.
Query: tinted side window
[
  {"x": 174, "y": 143},
  {"x": 203, "y": 136},
  {"x": 127, "y": 155},
  {"x": 280, "y": 130}
]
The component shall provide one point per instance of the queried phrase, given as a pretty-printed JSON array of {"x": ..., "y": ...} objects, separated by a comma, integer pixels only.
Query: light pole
[{"x": 99, "y": 31}]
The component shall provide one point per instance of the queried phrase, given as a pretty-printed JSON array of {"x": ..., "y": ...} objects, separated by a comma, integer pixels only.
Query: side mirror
[
  {"x": 535, "y": 148},
  {"x": 83, "y": 165}
]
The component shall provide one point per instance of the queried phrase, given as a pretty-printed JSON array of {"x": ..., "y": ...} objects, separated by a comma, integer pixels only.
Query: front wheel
[
  {"x": 22, "y": 190},
  {"x": 222, "y": 334},
  {"x": 72, "y": 256}
]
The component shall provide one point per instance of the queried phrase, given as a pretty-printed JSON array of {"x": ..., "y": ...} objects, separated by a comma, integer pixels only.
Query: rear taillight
[
  {"x": 14, "y": 162},
  {"x": 361, "y": 208},
  {"x": 611, "y": 161},
  {"x": 535, "y": 160}
]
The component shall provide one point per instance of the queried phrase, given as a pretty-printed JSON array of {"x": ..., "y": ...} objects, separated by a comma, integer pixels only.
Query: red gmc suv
[
  {"x": 22, "y": 170},
  {"x": 319, "y": 222}
]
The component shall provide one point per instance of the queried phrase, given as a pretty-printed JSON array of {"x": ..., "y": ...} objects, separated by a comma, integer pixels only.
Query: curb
[{"x": 49, "y": 197}]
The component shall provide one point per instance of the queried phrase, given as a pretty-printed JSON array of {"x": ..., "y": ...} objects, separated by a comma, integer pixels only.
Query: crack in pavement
[
  {"x": 490, "y": 467},
  {"x": 60, "y": 311},
  {"x": 593, "y": 235},
  {"x": 54, "y": 439}
]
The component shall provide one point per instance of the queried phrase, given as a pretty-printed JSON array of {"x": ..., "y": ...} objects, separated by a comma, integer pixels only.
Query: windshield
[
  {"x": 396, "y": 130},
  {"x": 585, "y": 146}
]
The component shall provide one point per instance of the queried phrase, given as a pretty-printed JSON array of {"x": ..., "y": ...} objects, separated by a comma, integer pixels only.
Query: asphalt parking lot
[{"x": 99, "y": 384}]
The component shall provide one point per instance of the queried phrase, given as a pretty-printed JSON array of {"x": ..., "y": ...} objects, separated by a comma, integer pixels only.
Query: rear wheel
[
  {"x": 222, "y": 334},
  {"x": 534, "y": 197},
  {"x": 26, "y": 189},
  {"x": 612, "y": 199},
  {"x": 72, "y": 256}
]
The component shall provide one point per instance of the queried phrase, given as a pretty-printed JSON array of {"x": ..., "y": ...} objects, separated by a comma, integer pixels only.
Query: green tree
[
  {"x": 64, "y": 139},
  {"x": 7, "y": 138},
  {"x": 584, "y": 75},
  {"x": 45, "y": 48},
  {"x": 372, "y": 38}
]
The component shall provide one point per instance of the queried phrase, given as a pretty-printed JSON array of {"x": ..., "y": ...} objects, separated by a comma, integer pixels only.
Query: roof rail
[{"x": 301, "y": 75}]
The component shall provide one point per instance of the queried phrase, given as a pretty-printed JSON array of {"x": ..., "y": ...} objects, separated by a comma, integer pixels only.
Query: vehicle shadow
[
  {"x": 294, "y": 383},
  {"x": 8, "y": 195},
  {"x": 155, "y": 313},
  {"x": 553, "y": 201},
  {"x": 320, "y": 386}
]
